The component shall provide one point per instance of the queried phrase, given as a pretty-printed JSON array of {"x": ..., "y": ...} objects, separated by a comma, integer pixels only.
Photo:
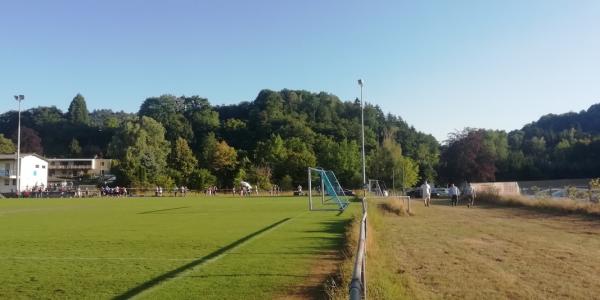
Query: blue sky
[{"x": 440, "y": 65}]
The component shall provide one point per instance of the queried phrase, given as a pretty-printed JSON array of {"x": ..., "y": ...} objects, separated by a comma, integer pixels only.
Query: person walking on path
[
  {"x": 454, "y": 193},
  {"x": 470, "y": 193},
  {"x": 426, "y": 193}
]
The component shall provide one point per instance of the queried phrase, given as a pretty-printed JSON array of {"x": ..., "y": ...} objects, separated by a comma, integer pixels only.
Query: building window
[
  {"x": 43, "y": 167},
  {"x": 37, "y": 166},
  {"x": 14, "y": 182},
  {"x": 6, "y": 181},
  {"x": 103, "y": 164}
]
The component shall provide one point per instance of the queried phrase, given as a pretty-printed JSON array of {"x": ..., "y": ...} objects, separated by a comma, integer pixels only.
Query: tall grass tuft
[{"x": 393, "y": 206}]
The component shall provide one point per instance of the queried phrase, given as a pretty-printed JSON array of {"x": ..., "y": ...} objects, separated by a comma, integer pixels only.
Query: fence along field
[{"x": 216, "y": 247}]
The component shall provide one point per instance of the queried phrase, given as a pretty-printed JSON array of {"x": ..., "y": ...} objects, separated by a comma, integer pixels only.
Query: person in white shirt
[
  {"x": 454, "y": 193},
  {"x": 426, "y": 193},
  {"x": 470, "y": 193}
]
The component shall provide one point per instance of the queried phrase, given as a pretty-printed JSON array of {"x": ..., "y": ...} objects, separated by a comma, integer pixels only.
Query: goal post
[
  {"x": 378, "y": 187},
  {"x": 328, "y": 188}
]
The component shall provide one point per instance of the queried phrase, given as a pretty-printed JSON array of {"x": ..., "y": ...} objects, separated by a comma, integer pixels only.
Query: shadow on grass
[
  {"x": 172, "y": 274},
  {"x": 249, "y": 275},
  {"x": 338, "y": 228},
  {"x": 161, "y": 210}
]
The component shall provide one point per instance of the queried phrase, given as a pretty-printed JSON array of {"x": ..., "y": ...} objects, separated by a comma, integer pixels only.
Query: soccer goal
[
  {"x": 377, "y": 187},
  {"x": 324, "y": 184}
]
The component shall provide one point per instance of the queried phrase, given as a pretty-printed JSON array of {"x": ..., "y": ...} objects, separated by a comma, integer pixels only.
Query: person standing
[
  {"x": 426, "y": 193},
  {"x": 470, "y": 193},
  {"x": 454, "y": 193}
]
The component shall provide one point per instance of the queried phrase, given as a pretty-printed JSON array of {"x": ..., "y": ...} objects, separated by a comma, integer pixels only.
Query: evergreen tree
[{"x": 78, "y": 112}]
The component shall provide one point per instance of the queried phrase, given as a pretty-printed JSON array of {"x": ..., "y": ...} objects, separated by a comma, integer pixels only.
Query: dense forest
[
  {"x": 271, "y": 140},
  {"x": 554, "y": 147}
]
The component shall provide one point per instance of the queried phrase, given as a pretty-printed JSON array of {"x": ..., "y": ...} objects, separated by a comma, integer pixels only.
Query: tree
[
  {"x": 217, "y": 155},
  {"x": 388, "y": 164},
  {"x": 75, "y": 148},
  {"x": 202, "y": 179},
  {"x": 167, "y": 110},
  {"x": 78, "y": 112},
  {"x": 142, "y": 150},
  {"x": 182, "y": 161},
  {"x": 406, "y": 172},
  {"x": 261, "y": 176},
  {"x": 343, "y": 158},
  {"x": 466, "y": 157},
  {"x": 225, "y": 157},
  {"x": 6, "y": 146},
  {"x": 30, "y": 141},
  {"x": 298, "y": 159}
]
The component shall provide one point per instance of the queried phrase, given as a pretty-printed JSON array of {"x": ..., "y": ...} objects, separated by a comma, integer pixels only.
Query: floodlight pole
[
  {"x": 19, "y": 98},
  {"x": 362, "y": 126}
]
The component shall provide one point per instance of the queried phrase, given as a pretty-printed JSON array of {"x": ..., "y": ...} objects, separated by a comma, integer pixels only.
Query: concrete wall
[
  {"x": 502, "y": 188},
  {"x": 34, "y": 172}
]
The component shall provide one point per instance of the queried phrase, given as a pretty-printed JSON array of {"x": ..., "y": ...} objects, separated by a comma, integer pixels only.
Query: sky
[{"x": 440, "y": 65}]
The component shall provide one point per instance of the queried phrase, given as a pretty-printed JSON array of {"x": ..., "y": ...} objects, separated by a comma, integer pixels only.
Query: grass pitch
[{"x": 194, "y": 247}]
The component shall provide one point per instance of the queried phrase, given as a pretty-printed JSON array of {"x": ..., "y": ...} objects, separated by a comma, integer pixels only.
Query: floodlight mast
[
  {"x": 19, "y": 98},
  {"x": 362, "y": 126}
]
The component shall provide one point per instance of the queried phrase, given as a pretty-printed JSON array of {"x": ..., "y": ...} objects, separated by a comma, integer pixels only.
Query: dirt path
[{"x": 493, "y": 253}]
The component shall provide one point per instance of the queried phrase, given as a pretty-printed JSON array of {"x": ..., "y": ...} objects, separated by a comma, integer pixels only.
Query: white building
[{"x": 33, "y": 172}]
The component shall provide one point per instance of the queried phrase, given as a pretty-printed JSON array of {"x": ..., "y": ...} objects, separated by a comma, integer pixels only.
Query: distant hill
[
  {"x": 556, "y": 147},
  {"x": 586, "y": 122}
]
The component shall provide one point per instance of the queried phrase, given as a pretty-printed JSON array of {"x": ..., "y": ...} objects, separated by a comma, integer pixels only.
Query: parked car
[
  {"x": 440, "y": 193},
  {"x": 415, "y": 193},
  {"x": 349, "y": 193}
]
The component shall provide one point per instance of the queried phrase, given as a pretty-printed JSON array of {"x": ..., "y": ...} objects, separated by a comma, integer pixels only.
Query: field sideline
[{"x": 216, "y": 247}]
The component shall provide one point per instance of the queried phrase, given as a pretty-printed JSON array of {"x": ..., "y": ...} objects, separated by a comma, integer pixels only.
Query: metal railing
[
  {"x": 71, "y": 167},
  {"x": 358, "y": 285},
  {"x": 7, "y": 173}
]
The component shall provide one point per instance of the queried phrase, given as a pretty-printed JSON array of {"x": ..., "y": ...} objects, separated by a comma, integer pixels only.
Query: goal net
[{"x": 325, "y": 185}]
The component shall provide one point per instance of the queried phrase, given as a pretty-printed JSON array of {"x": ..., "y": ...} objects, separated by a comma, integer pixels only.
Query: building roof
[
  {"x": 73, "y": 159},
  {"x": 14, "y": 155}
]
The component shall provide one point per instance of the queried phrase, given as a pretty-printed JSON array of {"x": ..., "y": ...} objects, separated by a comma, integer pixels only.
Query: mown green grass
[{"x": 157, "y": 247}]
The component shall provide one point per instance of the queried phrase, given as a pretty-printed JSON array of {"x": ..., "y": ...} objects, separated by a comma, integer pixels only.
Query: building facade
[
  {"x": 71, "y": 169},
  {"x": 33, "y": 172}
]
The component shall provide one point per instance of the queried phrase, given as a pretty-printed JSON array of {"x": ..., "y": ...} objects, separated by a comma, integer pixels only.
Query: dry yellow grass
[
  {"x": 488, "y": 252},
  {"x": 561, "y": 205},
  {"x": 393, "y": 206}
]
